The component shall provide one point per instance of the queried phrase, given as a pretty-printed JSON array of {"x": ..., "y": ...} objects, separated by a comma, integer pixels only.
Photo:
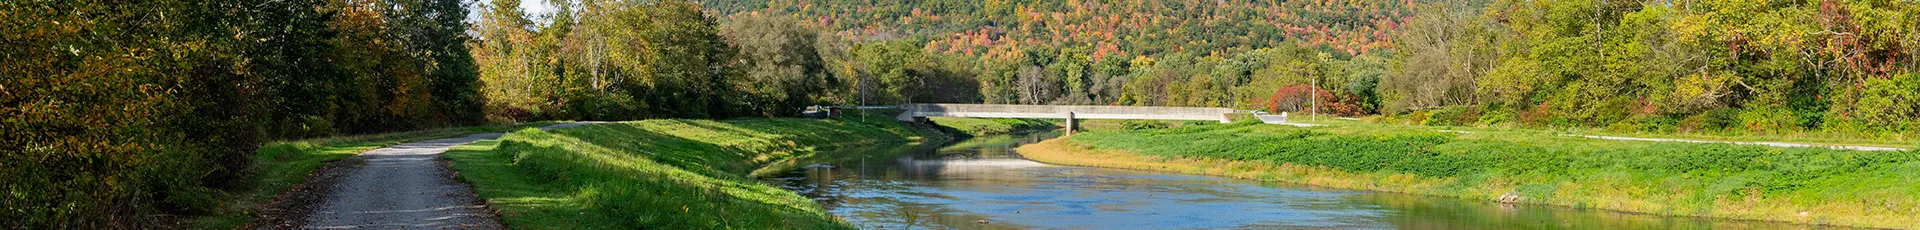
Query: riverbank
[
  {"x": 1798, "y": 185},
  {"x": 660, "y": 173},
  {"x": 979, "y": 127}
]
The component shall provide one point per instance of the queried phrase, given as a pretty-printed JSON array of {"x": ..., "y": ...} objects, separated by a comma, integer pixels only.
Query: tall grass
[
  {"x": 671, "y": 174},
  {"x": 1804, "y": 185}
]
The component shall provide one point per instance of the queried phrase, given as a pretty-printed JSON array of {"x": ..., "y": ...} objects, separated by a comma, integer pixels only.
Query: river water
[{"x": 981, "y": 183}]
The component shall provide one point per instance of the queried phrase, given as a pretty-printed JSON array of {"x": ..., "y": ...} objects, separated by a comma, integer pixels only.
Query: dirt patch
[{"x": 290, "y": 208}]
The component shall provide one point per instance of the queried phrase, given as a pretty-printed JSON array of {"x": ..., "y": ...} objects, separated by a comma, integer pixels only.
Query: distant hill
[{"x": 1127, "y": 28}]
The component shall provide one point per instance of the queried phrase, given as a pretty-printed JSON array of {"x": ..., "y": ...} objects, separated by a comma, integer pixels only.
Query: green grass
[
  {"x": 278, "y": 166},
  {"x": 976, "y": 127},
  {"x": 1896, "y": 140},
  {"x": 1804, "y": 185},
  {"x": 671, "y": 174}
]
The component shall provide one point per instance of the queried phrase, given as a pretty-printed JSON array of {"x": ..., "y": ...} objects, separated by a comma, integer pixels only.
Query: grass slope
[
  {"x": 278, "y": 166},
  {"x": 672, "y": 174},
  {"x": 977, "y": 127},
  {"x": 1802, "y": 185}
]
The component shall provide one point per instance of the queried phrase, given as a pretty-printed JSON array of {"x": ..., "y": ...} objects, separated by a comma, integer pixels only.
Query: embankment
[
  {"x": 672, "y": 174},
  {"x": 978, "y": 127},
  {"x": 1799, "y": 185}
]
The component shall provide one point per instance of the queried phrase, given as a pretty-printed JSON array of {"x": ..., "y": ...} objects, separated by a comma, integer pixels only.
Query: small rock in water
[
  {"x": 817, "y": 166},
  {"x": 1510, "y": 197},
  {"x": 983, "y": 221}
]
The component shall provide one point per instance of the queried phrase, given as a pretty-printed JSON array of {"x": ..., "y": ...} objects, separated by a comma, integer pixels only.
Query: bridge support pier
[{"x": 1071, "y": 125}]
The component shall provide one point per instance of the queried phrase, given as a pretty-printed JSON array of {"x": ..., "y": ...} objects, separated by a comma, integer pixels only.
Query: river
[{"x": 981, "y": 183}]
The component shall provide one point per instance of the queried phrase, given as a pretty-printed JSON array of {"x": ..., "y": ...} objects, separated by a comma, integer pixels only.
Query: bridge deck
[{"x": 1064, "y": 111}]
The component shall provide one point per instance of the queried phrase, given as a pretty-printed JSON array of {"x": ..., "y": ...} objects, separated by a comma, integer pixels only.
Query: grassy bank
[
  {"x": 1801, "y": 185},
  {"x": 673, "y": 174},
  {"x": 975, "y": 127},
  {"x": 278, "y": 166},
  {"x": 1895, "y": 140}
]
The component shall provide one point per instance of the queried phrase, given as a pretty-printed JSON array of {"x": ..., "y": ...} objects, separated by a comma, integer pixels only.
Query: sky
[{"x": 535, "y": 9}]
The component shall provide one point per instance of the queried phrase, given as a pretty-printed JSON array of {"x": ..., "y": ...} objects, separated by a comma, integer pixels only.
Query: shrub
[
  {"x": 1496, "y": 117},
  {"x": 1452, "y": 116},
  {"x": 1142, "y": 124},
  {"x": 1655, "y": 124},
  {"x": 605, "y": 106},
  {"x": 1767, "y": 120}
]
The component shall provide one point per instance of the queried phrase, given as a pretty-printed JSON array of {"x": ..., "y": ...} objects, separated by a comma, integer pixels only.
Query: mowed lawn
[
  {"x": 667, "y": 174},
  {"x": 1804, "y": 185}
]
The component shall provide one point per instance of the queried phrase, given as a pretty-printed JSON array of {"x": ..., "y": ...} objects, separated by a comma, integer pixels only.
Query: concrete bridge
[{"x": 917, "y": 112}]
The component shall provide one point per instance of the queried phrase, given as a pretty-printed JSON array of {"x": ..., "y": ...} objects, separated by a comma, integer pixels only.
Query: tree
[
  {"x": 783, "y": 69},
  {"x": 1441, "y": 55},
  {"x": 505, "y": 55},
  {"x": 1110, "y": 76},
  {"x": 890, "y": 65},
  {"x": 668, "y": 61},
  {"x": 1364, "y": 79},
  {"x": 1071, "y": 68}
]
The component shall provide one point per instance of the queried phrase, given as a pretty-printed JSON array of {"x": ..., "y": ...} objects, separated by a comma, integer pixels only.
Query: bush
[
  {"x": 1655, "y": 124},
  {"x": 1496, "y": 117},
  {"x": 1142, "y": 124},
  {"x": 1712, "y": 120},
  {"x": 1417, "y": 118},
  {"x": 1452, "y": 116},
  {"x": 605, "y": 107},
  {"x": 1765, "y": 120}
]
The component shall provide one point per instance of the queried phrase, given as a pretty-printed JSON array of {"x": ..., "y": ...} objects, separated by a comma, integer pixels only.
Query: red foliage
[
  {"x": 1297, "y": 98},
  {"x": 1537, "y": 114}
]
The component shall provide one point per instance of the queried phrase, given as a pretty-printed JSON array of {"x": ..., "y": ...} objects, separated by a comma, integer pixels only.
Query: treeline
[
  {"x": 1104, "y": 28},
  {"x": 1741, "y": 67},
  {"x": 601, "y": 61},
  {"x": 624, "y": 60},
  {"x": 1734, "y": 67},
  {"x": 128, "y": 114},
  {"x": 611, "y": 60}
]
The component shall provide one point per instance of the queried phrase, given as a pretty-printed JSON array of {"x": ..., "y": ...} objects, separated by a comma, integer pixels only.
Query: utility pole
[{"x": 863, "y": 99}]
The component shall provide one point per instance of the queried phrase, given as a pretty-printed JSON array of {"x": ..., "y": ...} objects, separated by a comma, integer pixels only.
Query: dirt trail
[{"x": 405, "y": 186}]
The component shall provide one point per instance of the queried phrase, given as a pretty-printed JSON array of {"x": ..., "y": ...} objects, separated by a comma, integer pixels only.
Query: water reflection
[{"x": 960, "y": 185}]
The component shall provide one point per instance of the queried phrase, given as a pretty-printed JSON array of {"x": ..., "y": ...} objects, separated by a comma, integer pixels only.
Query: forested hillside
[
  {"x": 1740, "y": 67},
  {"x": 1117, "y": 28}
]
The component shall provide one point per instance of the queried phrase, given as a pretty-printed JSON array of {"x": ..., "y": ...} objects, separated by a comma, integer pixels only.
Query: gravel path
[{"x": 405, "y": 186}]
